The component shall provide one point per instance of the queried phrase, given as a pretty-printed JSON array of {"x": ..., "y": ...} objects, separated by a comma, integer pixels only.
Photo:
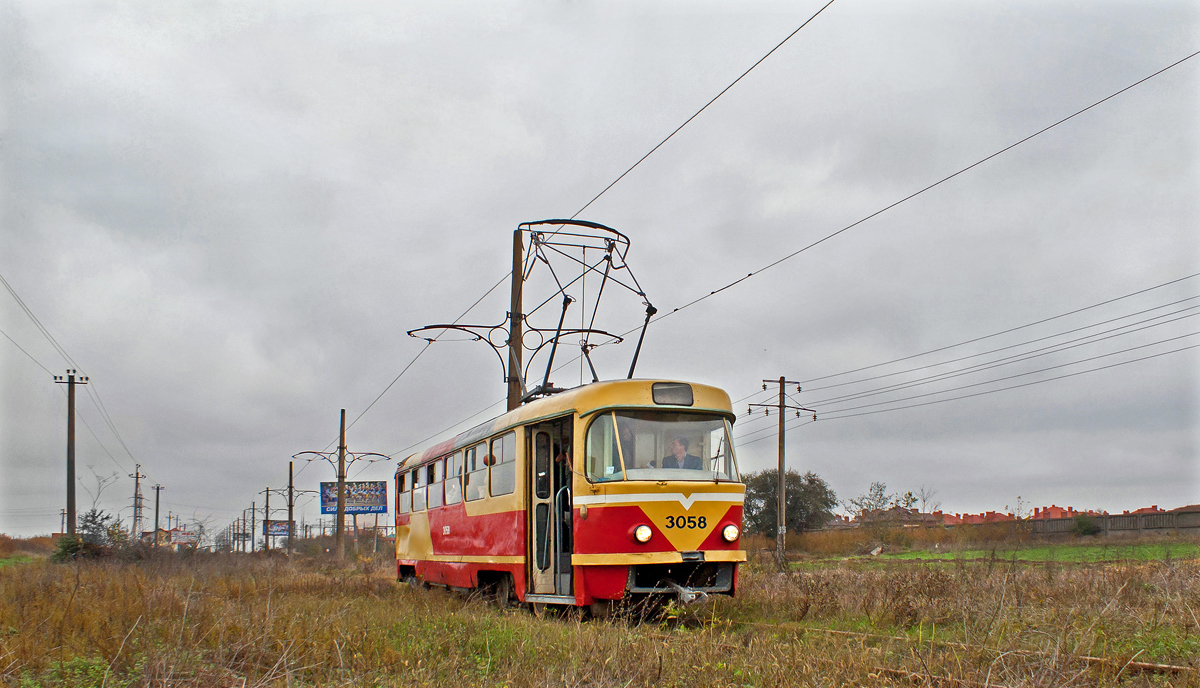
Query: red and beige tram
[{"x": 606, "y": 492}]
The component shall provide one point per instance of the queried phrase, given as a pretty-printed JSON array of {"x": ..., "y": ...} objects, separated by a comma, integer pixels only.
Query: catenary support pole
[
  {"x": 341, "y": 491},
  {"x": 291, "y": 506},
  {"x": 515, "y": 322},
  {"x": 267, "y": 518}
]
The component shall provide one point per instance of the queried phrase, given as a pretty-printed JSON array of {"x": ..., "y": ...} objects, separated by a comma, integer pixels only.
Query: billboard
[
  {"x": 367, "y": 497},
  {"x": 275, "y": 528}
]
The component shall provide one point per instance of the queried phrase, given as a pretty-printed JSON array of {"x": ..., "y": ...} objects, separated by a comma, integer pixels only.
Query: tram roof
[{"x": 586, "y": 399}]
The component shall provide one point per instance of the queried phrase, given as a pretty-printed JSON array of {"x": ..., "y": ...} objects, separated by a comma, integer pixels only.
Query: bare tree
[
  {"x": 1021, "y": 509},
  {"x": 926, "y": 495},
  {"x": 101, "y": 483}
]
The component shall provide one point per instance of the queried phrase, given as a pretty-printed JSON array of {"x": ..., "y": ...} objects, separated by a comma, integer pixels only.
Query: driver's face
[{"x": 677, "y": 449}]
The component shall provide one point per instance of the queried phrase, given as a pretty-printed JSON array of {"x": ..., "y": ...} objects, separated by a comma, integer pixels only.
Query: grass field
[
  {"x": 1065, "y": 553},
  {"x": 16, "y": 559},
  {"x": 228, "y": 620}
]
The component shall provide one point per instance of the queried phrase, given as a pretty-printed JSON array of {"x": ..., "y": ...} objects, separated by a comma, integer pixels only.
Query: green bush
[
  {"x": 73, "y": 547},
  {"x": 1085, "y": 525}
]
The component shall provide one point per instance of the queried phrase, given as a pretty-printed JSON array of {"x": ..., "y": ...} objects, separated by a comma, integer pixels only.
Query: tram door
[{"x": 550, "y": 537}]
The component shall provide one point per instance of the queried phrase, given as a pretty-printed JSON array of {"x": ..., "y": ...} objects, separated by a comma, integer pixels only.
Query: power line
[
  {"x": 1031, "y": 372},
  {"x": 99, "y": 404},
  {"x": 1003, "y": 389},
  {"x": 38, "y": 323},
  {"x": 824, "y": 418},
  {"x": 921, "y": 191},
  {"x": 1009, "y": 360},
  {"x": 744, "y": 440},
  {"x": 1011, "y": 329},
  {"x": 414, "y": 359},
  {"x": 94, "y": 396},
  {"x": 93, "y": 433},
  {"x": 448, "y": 428},
  {"x": 39, "y": 363},
  {"x": 757, "y": 419},
  {"x": 806, "y": 421}
]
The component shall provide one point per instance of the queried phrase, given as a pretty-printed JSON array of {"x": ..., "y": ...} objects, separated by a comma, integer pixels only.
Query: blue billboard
[{"x": 366, "y": 497}]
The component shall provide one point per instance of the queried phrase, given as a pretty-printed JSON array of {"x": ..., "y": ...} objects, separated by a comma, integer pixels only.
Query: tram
[{"x": 611, "y": 491}]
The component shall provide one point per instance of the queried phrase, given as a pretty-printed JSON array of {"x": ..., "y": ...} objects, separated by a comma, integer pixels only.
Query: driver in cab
[{"x": 679, "y": 456}]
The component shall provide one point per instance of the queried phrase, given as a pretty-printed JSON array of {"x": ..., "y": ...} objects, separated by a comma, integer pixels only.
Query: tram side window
[
  {"x": 504, "y": 464},
  {"x": 603, "y": 455},
  {"x": 476, "y": 472},
  {"x": 404, "y": 496},
  {"x": 454, "y": 474},
  {"x": 418, "y": 481},
  {"x": 436, "y": 486}
]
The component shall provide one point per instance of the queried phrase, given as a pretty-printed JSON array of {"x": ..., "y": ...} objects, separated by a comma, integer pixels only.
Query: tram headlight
[
  {"x": 642, "y": 533},
  {"x": 730, "y": 533}
]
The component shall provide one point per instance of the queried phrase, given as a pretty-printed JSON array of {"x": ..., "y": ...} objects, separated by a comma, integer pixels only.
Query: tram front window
[{"x": 659, "y": 445}]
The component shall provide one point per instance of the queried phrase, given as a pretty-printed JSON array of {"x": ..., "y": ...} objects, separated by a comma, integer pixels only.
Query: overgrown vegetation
[
  {"x": 809, "y": 501},
  {"x": 219, "y": 620}
]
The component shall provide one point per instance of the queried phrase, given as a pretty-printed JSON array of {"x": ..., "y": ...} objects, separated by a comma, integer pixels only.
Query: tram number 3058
[{"x": 686, "y": 522}]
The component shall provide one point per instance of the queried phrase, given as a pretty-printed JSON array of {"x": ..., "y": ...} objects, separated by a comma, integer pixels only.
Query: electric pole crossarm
[{"x": 781, "y": 489}]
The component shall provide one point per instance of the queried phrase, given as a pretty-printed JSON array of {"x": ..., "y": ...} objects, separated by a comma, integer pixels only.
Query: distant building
[
  {"x": 897, "y": 516},
  {"x": 1052, "y": 511},
  {"x": 900, "y": 516}
]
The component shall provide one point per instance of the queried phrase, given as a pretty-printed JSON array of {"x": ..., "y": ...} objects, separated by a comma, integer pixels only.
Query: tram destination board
[{"x": 366, "y": 497}]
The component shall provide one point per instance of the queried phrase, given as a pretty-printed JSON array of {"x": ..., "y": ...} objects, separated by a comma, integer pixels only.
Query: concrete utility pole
[
  {"x": 70, "y": 382},
  {"x": 253, "y": 514},
  {"x": 781, "y": 489},
  {"x": 157, "y": 494},
  {"x": 341, "y": 495},
  {"x": 515, "y": 321},
  {"x": 136, "y": 527},
  {"x": 780, "y": 499}
]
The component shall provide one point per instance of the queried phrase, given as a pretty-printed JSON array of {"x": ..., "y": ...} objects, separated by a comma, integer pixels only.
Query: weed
[{"x": 230, "y": 619}]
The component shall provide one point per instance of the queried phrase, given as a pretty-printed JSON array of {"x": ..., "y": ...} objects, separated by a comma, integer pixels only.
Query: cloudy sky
[{"x": 229, "y": 214}]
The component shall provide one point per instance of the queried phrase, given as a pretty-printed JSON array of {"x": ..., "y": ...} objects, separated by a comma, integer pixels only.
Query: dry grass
[
  {"x": 35, "y": 545},
  {"x": 234, "y": 620}
]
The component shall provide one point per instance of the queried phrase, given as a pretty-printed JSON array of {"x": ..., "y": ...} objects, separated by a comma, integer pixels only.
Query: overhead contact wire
[{"x": 697, "y": 113}]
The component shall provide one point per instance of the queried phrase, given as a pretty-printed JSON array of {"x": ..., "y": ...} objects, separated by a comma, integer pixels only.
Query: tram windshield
[{"x": 659, "y": 445}]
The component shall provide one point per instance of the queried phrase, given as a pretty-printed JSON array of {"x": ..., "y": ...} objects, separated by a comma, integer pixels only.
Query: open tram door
[{"x": 550, "y": 513}]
